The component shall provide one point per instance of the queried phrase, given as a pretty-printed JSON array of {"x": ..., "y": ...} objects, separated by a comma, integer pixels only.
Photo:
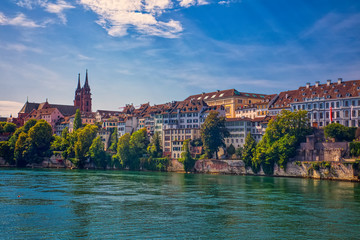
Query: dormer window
[
  {"x": 304, "y": 94},
  {"x": 314, "y": 93},
  {"x": 339, "y": 95},
  {"x": 213, "y": 96},
  {"x": 348, "y": 94},
  {"x": 325, "y": 91},
  {"x": 328, "y": 96},
  {"x": 336, "y": 90}
]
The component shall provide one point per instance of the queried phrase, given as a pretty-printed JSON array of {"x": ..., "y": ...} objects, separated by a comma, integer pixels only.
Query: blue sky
[{"x": 156, "y": 51}]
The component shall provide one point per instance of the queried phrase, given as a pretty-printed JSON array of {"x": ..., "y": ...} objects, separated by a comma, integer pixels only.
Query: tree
[
  {"x": 248, "y": 150},
  {"x": 40, "y": 135},
  {"x": 138, "y": 144},
  {"x": 186, "y": 156},
  {"x": 6, "y": 152},
  {"x": 123, "y": 155},
  {"x": 20, "y": 150},
  {"x": 98, "y": 154},
  {"x": 85, "y": 137},
  {"x": 154, "y": 149},
  {"x": 113, "y": 140},
  {"x": 213, "y": 132},
  {"x": 339, "y": 132},
  {"x": 9, "y": 127},
  {"x": 29, "y": 124},
  {"x": 77, "y": 120},
  {"x": 230, "y": 150},
  {"x": 282, "y": 136},
  {"x": 239, "y": 152}
]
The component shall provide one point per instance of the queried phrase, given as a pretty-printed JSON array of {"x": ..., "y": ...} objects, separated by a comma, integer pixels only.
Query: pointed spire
[
  {"x": 86, "y": 85},
  {"x": 27, "y": 99},
  {"x": 78, "y": 86}
]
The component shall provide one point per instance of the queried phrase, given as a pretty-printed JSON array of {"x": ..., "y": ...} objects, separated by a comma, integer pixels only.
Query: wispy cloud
[
  {"x": 19, "y": 20},
  {"x": 8, "y": 108},
  {"x": 19, "y": 48},
  {"x": 118, "y": 17},
  {"x": 228, "y": 2},
  {"x": 57, "y": 7}
]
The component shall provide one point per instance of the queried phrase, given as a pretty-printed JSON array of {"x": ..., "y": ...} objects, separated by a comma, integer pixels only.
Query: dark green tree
[
  {"x": 98, "y": 154},
  {"x": 77, "y": 120},
  {"x": 123, "y": 156},
  {"x": 113, "y": 140},
  {"x": 29, "y": 124},
  {"x": 188, "y": 161},
  {"x": 248, "y": 150},
  {"x": 9, "y": 127},
  {"x": 230, "y": 150},
  {"x": 6, "y": 152},
  {"x": 339, "y": 132},
  {"x": 213, "y": 132},
  {"x": 85, "y": 137},
  {"x": 154, "y": 149},
  {"x": 138, "y": 145}
]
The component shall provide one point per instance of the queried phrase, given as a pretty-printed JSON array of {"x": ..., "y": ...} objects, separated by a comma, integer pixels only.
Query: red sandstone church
[{"x": 54, "y": 113}]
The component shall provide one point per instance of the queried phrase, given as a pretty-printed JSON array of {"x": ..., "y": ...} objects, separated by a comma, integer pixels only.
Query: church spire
[
  {"x": 86, "y": 85},
  {"x": 78, "y": 86}
]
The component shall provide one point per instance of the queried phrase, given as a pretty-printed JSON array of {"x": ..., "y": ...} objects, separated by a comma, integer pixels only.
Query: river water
[{"x": 67, "y": 204}]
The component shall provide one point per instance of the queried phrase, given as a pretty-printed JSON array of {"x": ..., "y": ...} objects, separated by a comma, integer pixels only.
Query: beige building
[{"x": 231, "y": 99}]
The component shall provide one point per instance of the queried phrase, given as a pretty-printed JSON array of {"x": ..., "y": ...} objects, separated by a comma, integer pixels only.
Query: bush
[
  {"x": 339, "y": 132},
  {"x": 155, "y": 164},
  {"x": 355, "y": 149}
]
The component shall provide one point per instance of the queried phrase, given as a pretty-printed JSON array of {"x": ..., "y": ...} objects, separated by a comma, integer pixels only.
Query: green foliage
[
  {"x": 239, "y": 152},
  {"x": 282, "y": 136},
  {"x": 138, "y": 145},
  {"x": 248, "y": 150},
  {"x": 230, "y": 150},
  {"x": 113, "y": 141},
  {"x": 9, "y": 127},
  {"x": 85, "y": 137},
  {"x": 6, "y": 152},
  {"x": 154, "y": 149},
  {"x": 77, "y": 120},
  {"x": 339, "y": 132},
  {"x": 41, "y": 136},
  {"x": 213, "y": 132},
  {"x": 123, "y": 156},
  {"x": 355, "y": 149},
  {"x": 29, "y": 124},
  {"x": 2, "y": 124},
  {"x": 196, "y": 143},
  {"x": 98, "y": 154},
  {"x": 186, "y": 158},
  {"x": 155, "y": 164}
]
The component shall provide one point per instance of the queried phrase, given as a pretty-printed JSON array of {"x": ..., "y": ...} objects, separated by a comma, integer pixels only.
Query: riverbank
[{"x": 344, "y": 171}]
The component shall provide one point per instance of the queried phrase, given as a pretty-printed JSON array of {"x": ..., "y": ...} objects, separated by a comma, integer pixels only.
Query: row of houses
[{"x": 245, "y": 113}]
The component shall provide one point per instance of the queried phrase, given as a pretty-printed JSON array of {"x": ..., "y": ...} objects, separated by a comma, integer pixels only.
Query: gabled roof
[
  {"x": 224, "y": 94},
  {"x": 66, "y": 110},
  {"x": 28, "y": 107}
]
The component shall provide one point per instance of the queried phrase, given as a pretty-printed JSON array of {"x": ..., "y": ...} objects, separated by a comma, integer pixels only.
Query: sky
[{"x": 157, "y": 51}]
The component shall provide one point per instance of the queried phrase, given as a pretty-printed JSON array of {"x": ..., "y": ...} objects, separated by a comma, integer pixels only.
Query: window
[
  {"x": 346, "y": 113},
  {"x": 320, "y": 105},
  {"x": 346, "y": 103},
  {"x": 327, "y": 114},
  {"x": 327, "y": 105},
  {"x": 321, "y": 115},
  {"x": 332, "y": 104},
  {"x": 315, "y": 115},
  {"x": 337, "y": 104}
]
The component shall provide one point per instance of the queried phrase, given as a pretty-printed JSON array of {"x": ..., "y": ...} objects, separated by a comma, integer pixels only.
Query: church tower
[
  {"x": 83, "y": 95},
  {"x": 77, "y": 100},
  {"x": 85, "y": 105}
]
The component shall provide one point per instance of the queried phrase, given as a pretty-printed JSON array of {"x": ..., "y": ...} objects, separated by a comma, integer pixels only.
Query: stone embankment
[{"x": 330, "y": 170}]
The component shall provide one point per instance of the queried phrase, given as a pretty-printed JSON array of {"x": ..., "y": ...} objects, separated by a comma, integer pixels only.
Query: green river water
[{"x": 68, "y": 204}]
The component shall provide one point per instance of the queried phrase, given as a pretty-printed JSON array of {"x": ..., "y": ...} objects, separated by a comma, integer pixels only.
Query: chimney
[
  {"x": 328, "y": 82},
  {"x": 317, "y": 83},
  {"x": 217, "y": 90},
  {"x": 307, "y": 85},
  {"x": 286, "y": 96},
  {"x": 339, "y": 80}
]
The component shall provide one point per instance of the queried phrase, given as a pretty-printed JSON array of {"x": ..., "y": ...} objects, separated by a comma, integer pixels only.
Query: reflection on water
[{"x": 107, "y": 204}]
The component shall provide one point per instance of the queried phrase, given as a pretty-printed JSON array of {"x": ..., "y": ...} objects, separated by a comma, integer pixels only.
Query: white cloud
[
  {"x": 8, "y": 108},
  {"x": 19, "y": 48},
  {"x": 117, "y": 17},
  {"x": 228, "y": 2},
  {"x": 187, "y": 3},
  {"x": 58, "y": 8},
  {"x": 20, "y": 20}
]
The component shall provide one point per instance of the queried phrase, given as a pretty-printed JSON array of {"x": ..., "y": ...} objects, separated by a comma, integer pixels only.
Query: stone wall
[{"x": 335, "y": 171}]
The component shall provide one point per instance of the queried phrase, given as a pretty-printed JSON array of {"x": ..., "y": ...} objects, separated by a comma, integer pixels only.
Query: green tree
[
  {"x": 77, "y": 120},
  {"x": 154, "y": 149},
  {"x": 113, "y": 140},
  {"x": 29, "y": 124},
  {"x": 123, "y": 156},
  {"x": 85, "y": 137},
  {"x": 6, "y": 152},
  {"x": 98, "y": 154},
  {"x": 230, "y": 150},
  {"x": 138, "y": 145},
  {"x": 248, "y": 150},
  {"x": 282, "y": 136},
  {"x": 2, "y": 124},
  {"x": 188, "y": 161},
  {"x": 213, "y": 132},
  {"x": 20, "y": 150},
  {"x": 9, "y": 127},
  {"x": 41, "y": 136},
  {"x": 239, "y": 152},
  {"x": 339, "y": 132}
]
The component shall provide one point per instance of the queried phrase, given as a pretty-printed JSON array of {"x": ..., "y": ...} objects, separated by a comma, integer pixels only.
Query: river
[{"x": 67, "y": 204}]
